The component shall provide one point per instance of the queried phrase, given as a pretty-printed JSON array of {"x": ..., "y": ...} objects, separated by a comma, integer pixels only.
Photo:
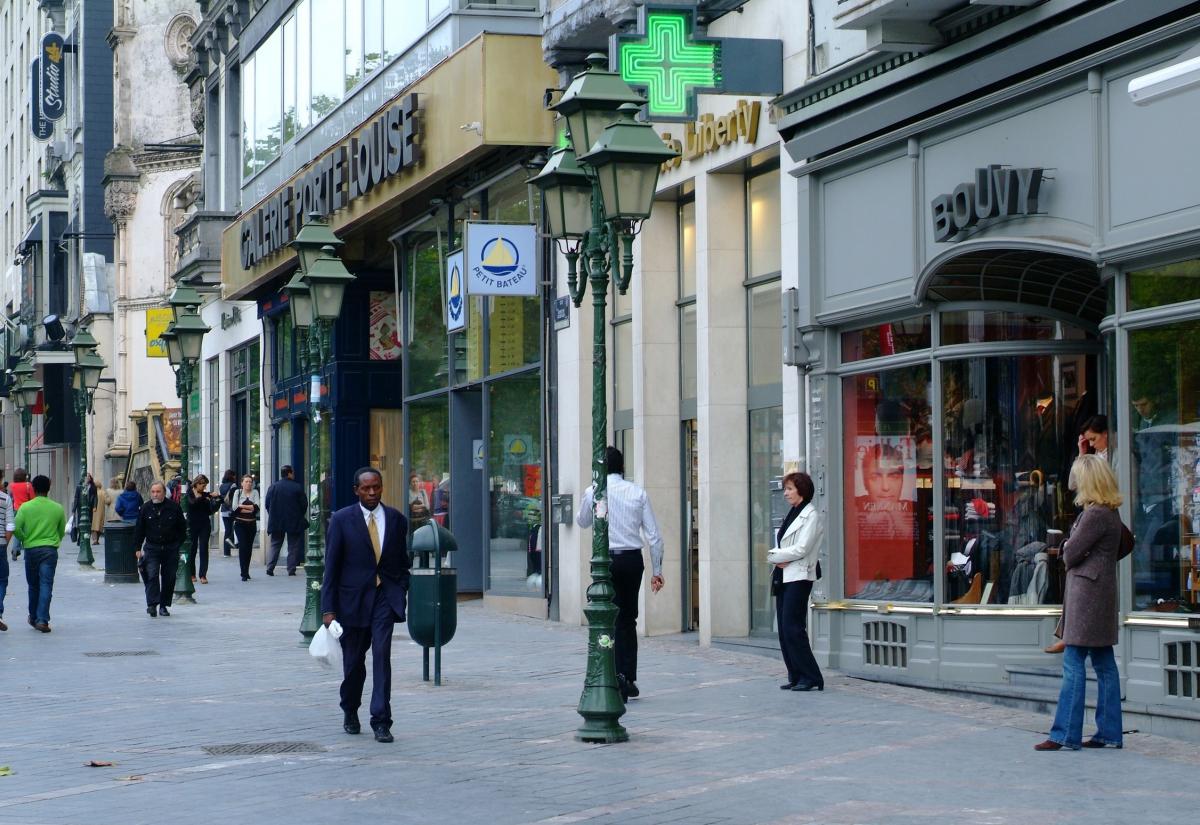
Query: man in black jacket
[
  {"x": 286, "y": 506},
  {"x": 157, "y": 535}
]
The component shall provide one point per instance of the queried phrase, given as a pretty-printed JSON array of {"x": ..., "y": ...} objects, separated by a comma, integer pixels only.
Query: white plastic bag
[{"x": 326, "y": 649}]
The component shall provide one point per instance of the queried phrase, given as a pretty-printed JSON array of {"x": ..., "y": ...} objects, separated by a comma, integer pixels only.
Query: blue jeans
[
  {"x": 1067, "y": 729},
  {"x": 3, "y": 577},
  {"x": 40, "y": 563}
]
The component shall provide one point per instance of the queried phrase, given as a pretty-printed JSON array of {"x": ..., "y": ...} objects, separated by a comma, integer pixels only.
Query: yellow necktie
[{"x": 373, "y": 532}]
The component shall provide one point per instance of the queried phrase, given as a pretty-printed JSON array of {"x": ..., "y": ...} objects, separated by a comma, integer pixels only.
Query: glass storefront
[
  {"x": 245, "y": 409},
  {"x": 1165, "y": 426},
  {"x": 1009, "y": 429},
  {"x": 483, "y": 385},
  {"x": 514, "y": 482}
]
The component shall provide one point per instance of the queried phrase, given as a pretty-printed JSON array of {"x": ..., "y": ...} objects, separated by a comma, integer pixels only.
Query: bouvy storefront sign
[
  {"x": 42, "y": 129},
  {"x": 52, "y": 80},
  {"x": 998, "y": 192},
  {"x": 673, "y": 60},
  {"x": 710, "y": 133},
  {"x": 379, "y": 151}
]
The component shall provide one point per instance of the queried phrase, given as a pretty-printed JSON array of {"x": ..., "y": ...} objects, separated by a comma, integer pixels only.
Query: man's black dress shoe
[
  {"x": 350, "y": 723},
  {"x": 270, "y": 571},
  {"x": 788, "y": 686},
  {"x": 382, "y": 734},
  {"x": 623, "y": 687},
  {"x": 632, "y": 689},
  {"x": 805, "y": 686},
  {"x": 152, "y": 611},
  {"x": 291, "y": 572},
  {"x": 163, "y": 611}
]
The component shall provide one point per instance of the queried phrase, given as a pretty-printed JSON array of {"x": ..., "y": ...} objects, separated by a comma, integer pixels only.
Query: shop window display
[
  {"x": 1011, "y": 428},
  {"x": 1165, "y": 449},
  {"x": 888, "y": 472}
]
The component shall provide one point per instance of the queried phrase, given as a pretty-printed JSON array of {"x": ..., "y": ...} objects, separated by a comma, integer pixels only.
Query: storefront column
[
  {"x": 721, "y": 406},
  {"x": 574, "y": 348},
  {"x": 656, "y": 409}
]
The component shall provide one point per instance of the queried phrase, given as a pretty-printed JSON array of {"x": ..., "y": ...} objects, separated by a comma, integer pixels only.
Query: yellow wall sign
[{"x": 156, "y": 324}]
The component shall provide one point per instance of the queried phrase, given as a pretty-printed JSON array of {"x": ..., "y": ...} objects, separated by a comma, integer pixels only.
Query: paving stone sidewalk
[{"x": 713, "y": 739}]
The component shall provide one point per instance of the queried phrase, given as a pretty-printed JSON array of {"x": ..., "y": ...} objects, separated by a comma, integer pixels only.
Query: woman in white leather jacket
[{"x": 796, "y": 568}]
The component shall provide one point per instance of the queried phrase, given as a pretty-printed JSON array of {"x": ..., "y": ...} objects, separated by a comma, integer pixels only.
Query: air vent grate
[{"x": 885, "y": 644}]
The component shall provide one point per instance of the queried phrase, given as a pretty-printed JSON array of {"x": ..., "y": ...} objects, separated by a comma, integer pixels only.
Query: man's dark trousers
[
  {"x": 162, "y": 563},
  {"x": 627, "y": 569},
  {"x": 40, "y": 563},
  {"x": 295, "y": 543},
  {"x": 355, "y": 641}
]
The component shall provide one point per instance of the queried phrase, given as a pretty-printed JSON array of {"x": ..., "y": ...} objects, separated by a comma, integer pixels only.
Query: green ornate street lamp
[
  {"x": 315, "y": 295},
  {"x": 88, "y": 367},
  {"x": 185, "y": 344},
  {"x": 27, "y": 390},
  {"x": 597, "y": 192}
]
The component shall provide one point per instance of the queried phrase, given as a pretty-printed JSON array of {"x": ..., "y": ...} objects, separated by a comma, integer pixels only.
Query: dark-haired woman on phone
[{"x": 795, "y": 560}]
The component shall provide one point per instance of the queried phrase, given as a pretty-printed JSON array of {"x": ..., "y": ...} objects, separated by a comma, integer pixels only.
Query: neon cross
[{"x": 671, "y": 64}]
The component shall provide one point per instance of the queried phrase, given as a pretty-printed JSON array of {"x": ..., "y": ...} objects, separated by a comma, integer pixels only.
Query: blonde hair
[{"x": 1094, "y": 482}]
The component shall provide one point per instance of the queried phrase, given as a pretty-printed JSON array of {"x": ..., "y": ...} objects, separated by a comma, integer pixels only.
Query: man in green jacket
[{"x": 40, "y": 525}]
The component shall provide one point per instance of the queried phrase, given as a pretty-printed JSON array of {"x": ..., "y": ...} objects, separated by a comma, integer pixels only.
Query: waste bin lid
[{"x": 423, "y": 540}]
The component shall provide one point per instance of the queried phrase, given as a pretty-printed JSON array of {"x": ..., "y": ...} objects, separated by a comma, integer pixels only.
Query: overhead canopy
[
  {"x": 1022, "y": 276},
  {"x": 33, "y": 236}
]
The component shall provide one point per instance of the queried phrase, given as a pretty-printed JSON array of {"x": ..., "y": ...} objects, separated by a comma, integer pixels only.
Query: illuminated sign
[
  {"x": 673, "y": 64},
  {"x": 42, "y": 129}
]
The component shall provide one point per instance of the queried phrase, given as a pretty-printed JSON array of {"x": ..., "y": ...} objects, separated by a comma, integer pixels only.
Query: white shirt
[
  {"x": 376, "y": 514},
  {"x": 629, "y": 518}
]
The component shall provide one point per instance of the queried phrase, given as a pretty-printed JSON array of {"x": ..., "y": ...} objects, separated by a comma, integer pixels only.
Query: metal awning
[
  {"x": 35, "y": 235},
  {"x": 1033, "y": 277}
]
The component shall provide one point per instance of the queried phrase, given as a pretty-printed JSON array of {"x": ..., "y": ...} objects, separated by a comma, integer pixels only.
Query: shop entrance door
[
  {"x": 468, "y": 460},
  {"x": 691, "y": 526}
]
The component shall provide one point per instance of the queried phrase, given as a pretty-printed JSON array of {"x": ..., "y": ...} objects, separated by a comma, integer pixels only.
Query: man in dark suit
[
  {"x": 286, "y": 507},
  {"x": 366, "y": 590}
]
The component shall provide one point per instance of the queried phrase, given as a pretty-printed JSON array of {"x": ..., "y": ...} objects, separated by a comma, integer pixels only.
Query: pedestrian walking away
[
  {"x": 630, "y": 520},
  {"x": 1090, "y": 621},
  {"x": 94, "y": 500},
  {"x": 796, "y": 569},
  {"x": 229, "y": 485},
  {"x": 6, "y": 528},
  {"x": 286, "y": 505},
  {"x": 246, "y": 506},
  {"x": 201, "y": 506},
  {"x": 40, "y": 525},
  {"x": 19, "y": 492},
  {"x": 157, "y": 536},
  {"x": 366, "y": 591},
  {"x": 129, "y": 503}
]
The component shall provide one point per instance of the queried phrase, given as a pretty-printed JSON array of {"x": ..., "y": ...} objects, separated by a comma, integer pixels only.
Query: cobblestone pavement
[{"x": 713, "y": 739}]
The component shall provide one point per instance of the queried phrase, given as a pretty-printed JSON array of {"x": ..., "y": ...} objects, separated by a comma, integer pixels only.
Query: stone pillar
[
  {"x": 721, "y": 406},
  {"x": 656, "y": 408}
]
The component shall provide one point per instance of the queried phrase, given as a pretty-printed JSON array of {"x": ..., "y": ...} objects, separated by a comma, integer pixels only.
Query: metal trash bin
[
  {"x": 120, "y": 563},
  {"x": 432, "y": 595}
]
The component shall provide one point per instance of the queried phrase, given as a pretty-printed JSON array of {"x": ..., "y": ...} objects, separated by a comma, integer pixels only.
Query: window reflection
[
  {"x": 1165, "y": 423},
  {"x": 327, "y": 63},
  {"x": 515, "y": 483}
]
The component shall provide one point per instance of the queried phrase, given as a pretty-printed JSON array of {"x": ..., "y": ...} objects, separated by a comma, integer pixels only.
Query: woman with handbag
[
  {"x": 1090, "y": 619},
  {"x": 796, "y": 568},
  {"x": 245, "y": 508},
  {"x": 229, "y": 485}
]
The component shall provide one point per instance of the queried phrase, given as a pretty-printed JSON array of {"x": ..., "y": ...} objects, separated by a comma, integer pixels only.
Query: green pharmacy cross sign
[{"x": 672, "y": 63}]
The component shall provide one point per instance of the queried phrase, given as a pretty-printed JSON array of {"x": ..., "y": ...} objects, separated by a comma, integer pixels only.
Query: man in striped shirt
[{"x": 629, "y": 519}]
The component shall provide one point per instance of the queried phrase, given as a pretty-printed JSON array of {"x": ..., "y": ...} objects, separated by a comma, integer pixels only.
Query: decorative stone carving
[
  {"x": 120, "y": 199},
  {"x": 178, "y": 41},
  {"x": 197, "y": 104},
  {"x": 125, "y": 14}
]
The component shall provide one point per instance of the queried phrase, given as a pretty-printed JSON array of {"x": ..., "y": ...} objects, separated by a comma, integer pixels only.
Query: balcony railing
[{"x": 199, "y": 247}]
